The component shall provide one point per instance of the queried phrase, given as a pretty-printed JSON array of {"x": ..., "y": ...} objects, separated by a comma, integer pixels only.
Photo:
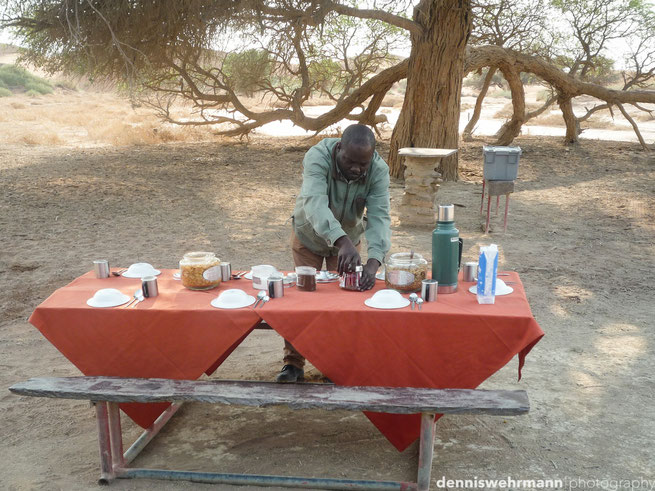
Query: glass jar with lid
[
  {"x": 200, "y": 270},
  {"x": 404, "y": 271}
]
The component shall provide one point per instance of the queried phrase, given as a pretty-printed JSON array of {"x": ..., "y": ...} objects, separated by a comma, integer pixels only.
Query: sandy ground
[{"x": 581, "y": 234}]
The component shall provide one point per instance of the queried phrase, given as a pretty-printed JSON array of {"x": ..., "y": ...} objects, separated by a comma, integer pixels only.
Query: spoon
[
  {"x": 260, "y": 296},
  {"x": 264, "y": 300},
  {"x": 134, "y": 297},
  {"x": 413, "y": 297},
  {"x": 419, "y": 302},
  {"x": 139, "y": 297}
]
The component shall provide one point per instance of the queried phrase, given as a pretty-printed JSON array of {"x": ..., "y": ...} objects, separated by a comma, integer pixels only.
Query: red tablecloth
[
  {"x": 177, "y": 334},
  {"x": 453, "y": 343}
]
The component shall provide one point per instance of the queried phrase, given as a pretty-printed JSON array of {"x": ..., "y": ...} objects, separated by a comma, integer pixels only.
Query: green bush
[
  {"x": 40, "y": 87},
  {"x": 17, "y": 78},
  {"x": 247, "y": 71},
  {"x": 5, "y": 92},
  {"x": 32, "y": 93}
]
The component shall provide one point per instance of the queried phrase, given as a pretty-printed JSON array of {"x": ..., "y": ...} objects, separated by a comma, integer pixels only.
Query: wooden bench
[{"x": 107, "y": 392}]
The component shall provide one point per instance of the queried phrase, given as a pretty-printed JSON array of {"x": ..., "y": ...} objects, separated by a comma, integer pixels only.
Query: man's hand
[
  {"x": 348, "y": 255},
  {"x": 368, "y": 275}
]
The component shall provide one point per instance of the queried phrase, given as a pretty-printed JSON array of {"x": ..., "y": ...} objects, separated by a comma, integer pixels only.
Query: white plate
[
  {"x": 248, "y": 275},
  {"x": 177, "y": 275},
  {"x": 93, "y": 302},
  {"x": 380, "y": 275},
  {"x": 501, "y": 288},
  {"x": 219, "y": 305},
  {"x": 369, "y": 303},
  {"x": 326, "y": 277}
]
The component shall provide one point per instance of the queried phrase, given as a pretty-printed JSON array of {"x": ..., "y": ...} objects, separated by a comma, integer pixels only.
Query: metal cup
[
  {"x": 275, "y": 286},
  {"x": 429, "y": 290},
  {"x": 226, "y": 271},
  {"x": 149, "y": 286},
  {"x": 469, "y": 271},
  {"x": 101, "y": 267}
]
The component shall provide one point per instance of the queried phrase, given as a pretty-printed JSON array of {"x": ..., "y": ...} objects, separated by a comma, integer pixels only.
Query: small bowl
[
  {"x": 108, "y": 297},
  {"x": 233, "y": 299},
  {"x": 139, "y": 270}
]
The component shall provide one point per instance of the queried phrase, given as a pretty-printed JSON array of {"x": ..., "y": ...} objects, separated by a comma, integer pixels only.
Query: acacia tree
[{"x": 172, "y": 48}]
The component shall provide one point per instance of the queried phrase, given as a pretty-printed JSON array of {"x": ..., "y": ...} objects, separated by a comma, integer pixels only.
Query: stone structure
[{"x": 418, "y": 206}]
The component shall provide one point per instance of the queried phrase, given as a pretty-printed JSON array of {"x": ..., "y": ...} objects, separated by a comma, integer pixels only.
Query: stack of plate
[
  {"x": 108, "y": 297},
  {"x": 139, "y": 270},
  {"x": 233, "y": 299},
  {"x": 387, "y": 299}
]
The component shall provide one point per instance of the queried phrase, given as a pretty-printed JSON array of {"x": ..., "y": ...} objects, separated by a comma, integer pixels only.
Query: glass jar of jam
[
  {"x": 404, "y": 271},
  {"x": 200, "y": 270}
]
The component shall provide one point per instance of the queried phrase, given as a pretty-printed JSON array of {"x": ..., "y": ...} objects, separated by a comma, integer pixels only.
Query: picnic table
[{"x": 451, "y": 343}]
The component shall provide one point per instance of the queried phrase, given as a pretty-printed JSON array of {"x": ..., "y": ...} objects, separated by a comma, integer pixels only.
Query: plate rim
[
  {"x": 232, "y": 308},
  {"x": 108, "y": 306},
  {"x": 387, "y": 308},
  {"x": 511, "y": 290},
  {"x": 124, "y": 275}
]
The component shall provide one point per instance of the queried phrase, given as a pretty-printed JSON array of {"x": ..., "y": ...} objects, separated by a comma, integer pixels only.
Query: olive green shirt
[{"x": 329, "y": 206}]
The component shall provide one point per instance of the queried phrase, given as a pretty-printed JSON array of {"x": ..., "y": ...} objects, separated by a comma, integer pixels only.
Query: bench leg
[
  {"x": 115, "y": 436},
  {"x": 426, "y": 449},
  {"x": 106, "y": 468},
  {"x": 145, "y": 437},
  {"x": 484, "y": 183}
]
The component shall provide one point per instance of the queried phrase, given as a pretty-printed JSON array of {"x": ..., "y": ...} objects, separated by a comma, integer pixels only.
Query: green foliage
[
  {"x": 32, "y": 93},
  {"x": 5, "y": 92},
  {"x": 17, "y": 78},
  {"x": 325, "y": 74},
  {"x": 476, "y": 80},
  {"x": 247, "y": 71}
]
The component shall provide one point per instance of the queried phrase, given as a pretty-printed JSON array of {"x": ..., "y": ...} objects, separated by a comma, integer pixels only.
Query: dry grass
[
  {"x": 644, "y": 116},
  {"x": 86, "y": 118},
  {"x": 547, "y": 119}
]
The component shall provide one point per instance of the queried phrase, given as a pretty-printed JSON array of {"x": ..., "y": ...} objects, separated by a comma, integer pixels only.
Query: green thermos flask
[{"x": 446, "y": 250}]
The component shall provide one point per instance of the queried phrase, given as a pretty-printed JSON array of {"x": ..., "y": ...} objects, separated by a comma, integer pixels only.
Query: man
[{"x": 341, "y": 178}]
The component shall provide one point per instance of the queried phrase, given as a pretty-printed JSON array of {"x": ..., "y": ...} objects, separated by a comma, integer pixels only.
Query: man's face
[{"x": 354, "y": 160}]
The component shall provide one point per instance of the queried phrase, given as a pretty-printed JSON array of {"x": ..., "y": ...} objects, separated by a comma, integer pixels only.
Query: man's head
[{"x": 355, "y": 151}]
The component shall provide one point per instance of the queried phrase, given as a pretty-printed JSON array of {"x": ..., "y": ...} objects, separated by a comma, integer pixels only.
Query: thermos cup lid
[{"x": 446, "y": 213}]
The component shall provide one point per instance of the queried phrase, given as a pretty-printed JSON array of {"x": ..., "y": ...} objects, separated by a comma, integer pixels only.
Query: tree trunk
[
  {"x": 430, "y": 113},
  {"x": 512, "y": 128},
  {"x": 572, "y": 127},
  {"x": 468, "y": 130}
]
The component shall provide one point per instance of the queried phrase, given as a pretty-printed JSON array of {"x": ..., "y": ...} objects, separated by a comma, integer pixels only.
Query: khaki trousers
[{"x": 304, "y": 257}]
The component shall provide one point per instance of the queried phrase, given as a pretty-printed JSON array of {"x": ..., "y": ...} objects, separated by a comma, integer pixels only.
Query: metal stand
[
  {"x": 114, "y": 463},
  {"x": 496, "y": 188}
]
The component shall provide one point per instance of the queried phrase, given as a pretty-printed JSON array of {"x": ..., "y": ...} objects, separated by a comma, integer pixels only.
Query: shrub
[
  {"x": 247, "y": 71},
  {"x": 32, "y": 93},
  {"x": 5, "y": 92},
  {"x": 17, "y": 78}
]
